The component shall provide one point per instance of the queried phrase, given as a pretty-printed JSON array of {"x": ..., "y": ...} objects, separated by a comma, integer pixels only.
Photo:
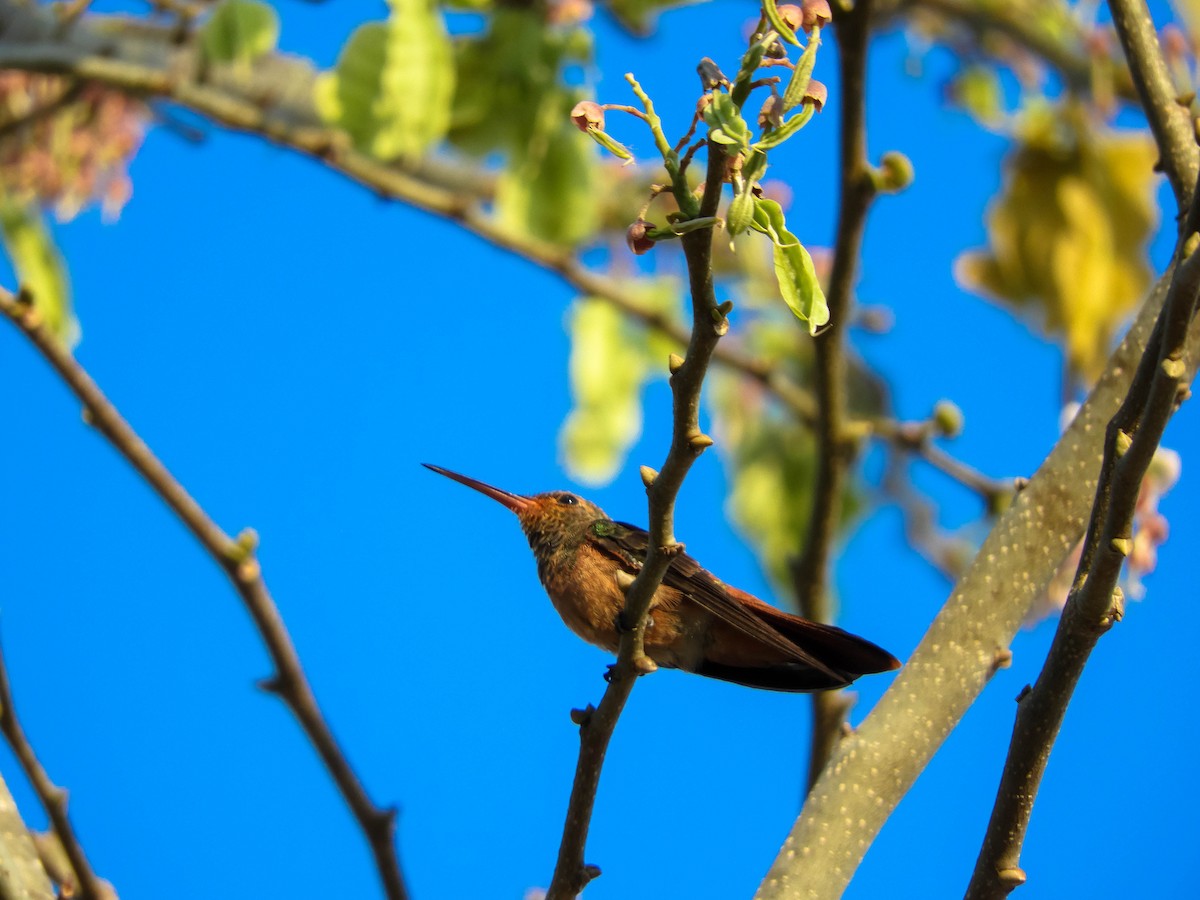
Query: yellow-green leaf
[
  {"x": 239, "y": 31},
  {"x": 794, "y": 269},
  {"x": 394, "y": 82},
  {"x": 1068, "y": 234},
  {"x": 606, "y": 372},
  {"x": 547, "y": 191},
  {"x": 39, "y": 267}
]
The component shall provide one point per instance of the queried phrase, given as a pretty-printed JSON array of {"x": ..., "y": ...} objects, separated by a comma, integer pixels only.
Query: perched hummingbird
[{"x": 697, "y": 623}]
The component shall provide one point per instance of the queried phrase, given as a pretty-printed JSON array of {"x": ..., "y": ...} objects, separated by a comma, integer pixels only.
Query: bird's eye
[{"x": 568, "y": 499}]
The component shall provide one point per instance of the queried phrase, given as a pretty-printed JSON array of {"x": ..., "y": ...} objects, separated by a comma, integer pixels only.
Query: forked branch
[{"x": 236, "y": 558}]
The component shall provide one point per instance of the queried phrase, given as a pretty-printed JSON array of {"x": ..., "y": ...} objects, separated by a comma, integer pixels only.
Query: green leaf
[
  {"x": 977, "y": 89},
  {"x": 776, "y": 20},
  {"x": 794, "y": 268},
  {"x": 39, "y": 267},
  {"x": 771, "y": 462},
  {"x": 740, "y": 214},
  {"x": 725, "y": 123},
  {"x": 1068, "y": 232},
  {"x": 787, "y": 129},
  {"x": 239, "y": 31},
  {"x": 547, "y": 190},
  {"x": 793, "y": 96},
  {"x": 502, "y": 76},
  {"x": 394, "y": 82}
]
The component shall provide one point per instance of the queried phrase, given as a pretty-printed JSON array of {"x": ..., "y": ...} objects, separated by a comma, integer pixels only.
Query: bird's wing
[{"x": 627, "y": 545}]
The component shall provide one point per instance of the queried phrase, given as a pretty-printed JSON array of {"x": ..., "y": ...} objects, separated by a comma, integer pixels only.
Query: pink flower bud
[
  {"x": 792, "y": 15},
  {"x": 587, "y": 114},
  {"x": 816, "y": 12},
  {"x": 637, "y": 239},
  {"x": 816, "y": 94}
]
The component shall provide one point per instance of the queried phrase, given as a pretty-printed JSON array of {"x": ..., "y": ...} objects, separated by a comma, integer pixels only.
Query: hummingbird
[{"x": 697, "y": 623}]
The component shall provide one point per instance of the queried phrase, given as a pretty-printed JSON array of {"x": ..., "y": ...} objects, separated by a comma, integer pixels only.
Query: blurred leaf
[
  {"x": 394, "y": 82},
  {"x": 606, "y": 373},
  {"x": 40, "y": 268},
  {"x": 771, "y": 463},
  {"x": 640, "y": 16},
  {"x": 794, "y": 268},
  {"x": 611, "y": 358},
  {"x": 503, "y": 76},
  {"x": 547, "y": 190},
  {"x": 239, "y": 31},
  {"x": 977, "y": 90},
  {"x": 1068, "y": 234}
]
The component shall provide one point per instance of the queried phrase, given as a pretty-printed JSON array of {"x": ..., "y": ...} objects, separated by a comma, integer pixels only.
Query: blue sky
[{"x": 293, "y": 347}]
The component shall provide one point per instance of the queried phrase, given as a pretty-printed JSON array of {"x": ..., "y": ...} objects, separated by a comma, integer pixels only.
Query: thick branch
[
  {"x": 875, "y": 766},
  {"x": 236, "y": 559},
  {"x": 53, "y": 798},
  {"x": 1095, "y": 601},
  {"x": 22, "y": 874},
  {"x": 571, "y": 874},
  {"x": 810, "y": 572}
]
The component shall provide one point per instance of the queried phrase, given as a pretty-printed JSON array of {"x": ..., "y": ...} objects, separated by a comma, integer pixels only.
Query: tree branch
[
  {"x": 236, "y": 559},
  {"x": 875, "y": 766},
  {"x": 53, "y": 798},
  {"x": 596, "y": 725},
  {"x": 1095, "y": 602},
  {"x": 237, "y": 105},
  {"x": 1169, "y": 120},
  {"x": 22, "y": 875},
  {"x": 810, "y": 571},
  {"x": 1069, "y": 56}
]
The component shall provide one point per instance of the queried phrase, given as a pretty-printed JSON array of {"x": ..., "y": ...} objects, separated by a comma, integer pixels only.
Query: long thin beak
[{"x": 515, "y": 502}]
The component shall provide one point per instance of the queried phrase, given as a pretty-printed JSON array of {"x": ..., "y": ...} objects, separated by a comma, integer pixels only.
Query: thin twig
[
  {"x": 1169, "y": 119},
  {"x": 52, "y": 797},
  {"x": 1066, "y": 53},
  {"x": 236, "y": 559},
  {"x": 571, "y": 873},
  {"x": 810, "y": 571},
  {"x": 916, "y": 438},
  {"x": 947, "y": 554}
]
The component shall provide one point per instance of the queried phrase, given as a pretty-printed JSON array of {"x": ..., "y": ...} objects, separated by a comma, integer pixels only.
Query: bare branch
[
  {"x": 916, "y": 438},
  {"x": 53, "y": 798},
  {"x": 1169, "y": 120},
  {"x": 875, "y": 766},
  {"x": 571, "y": 874},
  {"x": 1063, "y": 49},
  {"x": 236, "y": 559},
  {"x": 1095, "y": 602},
  {"x": 22, "y": 874}
]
